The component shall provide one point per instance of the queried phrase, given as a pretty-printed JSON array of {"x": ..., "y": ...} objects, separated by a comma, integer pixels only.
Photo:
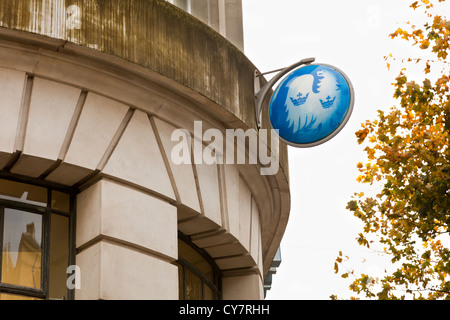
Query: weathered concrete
[{"x": 151, "y": 33}]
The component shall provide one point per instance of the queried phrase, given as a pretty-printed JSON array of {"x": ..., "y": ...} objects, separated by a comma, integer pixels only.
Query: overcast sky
[{"x": 353, "y": 36}]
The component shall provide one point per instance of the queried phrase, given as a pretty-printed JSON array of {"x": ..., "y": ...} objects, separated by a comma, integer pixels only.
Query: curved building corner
[{"x": 116, "y": 119}]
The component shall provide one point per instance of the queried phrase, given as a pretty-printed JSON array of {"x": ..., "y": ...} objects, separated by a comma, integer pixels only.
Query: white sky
[{"x": 353, "y": 36}]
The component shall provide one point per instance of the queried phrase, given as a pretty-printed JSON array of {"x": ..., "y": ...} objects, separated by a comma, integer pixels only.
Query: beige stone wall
[
  {"x": 98, "y": 123},
  {"x": 126, "y": 241}
]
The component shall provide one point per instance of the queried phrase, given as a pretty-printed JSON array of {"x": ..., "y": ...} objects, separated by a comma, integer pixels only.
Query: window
[
  {"x": 199, "y": 277},
  {"x": 182, "y": 4},
  {"x": 36, "y": 231}
]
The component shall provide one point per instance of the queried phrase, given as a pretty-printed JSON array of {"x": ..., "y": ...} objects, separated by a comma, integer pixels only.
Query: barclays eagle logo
[{"x": 310, "y": 104}]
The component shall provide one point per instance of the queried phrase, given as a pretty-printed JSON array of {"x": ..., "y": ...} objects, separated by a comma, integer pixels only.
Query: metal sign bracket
[{"x": 261, "y": 93}]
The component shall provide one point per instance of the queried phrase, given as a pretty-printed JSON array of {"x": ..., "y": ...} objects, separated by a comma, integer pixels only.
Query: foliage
[{"x": 408, "y": 154}]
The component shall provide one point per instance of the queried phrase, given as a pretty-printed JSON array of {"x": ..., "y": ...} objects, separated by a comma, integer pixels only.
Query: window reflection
[
  {"x": 21, "y": 257},
  {"x": 27, "y": 213},
  {"x": 193, "y": 286}
]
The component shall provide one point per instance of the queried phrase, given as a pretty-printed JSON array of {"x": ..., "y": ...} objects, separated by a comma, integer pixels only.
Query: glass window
[
  {"x": 21, "y": 254},
  {"x": 182, "y": 4},
  {"x": 198, "y": 275},
  {"x": 196, "y": 259},
  {"x": 60, "y": 201},
  {"x": 59, "y": 256},
  {"x": 35, "y": 241},
  {"x": 26, "y": 193},
  {"x": 193, "y": 286},
  {"x": 208, "y": 293}
]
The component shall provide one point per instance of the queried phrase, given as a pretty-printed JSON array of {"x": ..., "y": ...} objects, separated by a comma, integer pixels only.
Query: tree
[{"x": 408, "y": 155}]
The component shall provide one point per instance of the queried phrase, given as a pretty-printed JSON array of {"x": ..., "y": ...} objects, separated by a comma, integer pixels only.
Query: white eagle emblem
[{"x": 312, "y": 100}]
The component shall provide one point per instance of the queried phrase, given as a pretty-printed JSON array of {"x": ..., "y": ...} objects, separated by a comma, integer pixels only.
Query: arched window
[
  {"x": 36, "y": 241},
  {"x": 199, "y": 276}
]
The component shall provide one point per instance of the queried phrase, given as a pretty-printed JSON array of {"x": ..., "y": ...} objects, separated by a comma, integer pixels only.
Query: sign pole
[{"x": 261, "y": 94}]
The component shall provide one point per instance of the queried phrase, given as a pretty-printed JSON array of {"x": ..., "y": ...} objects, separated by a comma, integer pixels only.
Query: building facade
[{"x": 94, "y": 200}]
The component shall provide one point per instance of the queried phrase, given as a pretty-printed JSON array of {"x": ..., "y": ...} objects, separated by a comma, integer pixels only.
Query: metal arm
[{"x": 261, "y": 94}]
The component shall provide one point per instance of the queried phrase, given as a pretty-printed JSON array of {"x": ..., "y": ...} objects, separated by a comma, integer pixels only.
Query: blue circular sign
[{"x": 311, "y": 105}]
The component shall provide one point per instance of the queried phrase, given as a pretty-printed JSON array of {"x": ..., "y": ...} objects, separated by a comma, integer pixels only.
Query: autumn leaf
[
  {"x": 362, "y": 134},
  {"x": 424, "y": 44},
  {"x": 414, "y": 5}
]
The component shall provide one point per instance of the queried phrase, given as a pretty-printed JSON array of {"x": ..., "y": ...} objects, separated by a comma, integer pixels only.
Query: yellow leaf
[
  {"x": 424, "y": 44},
  {"x": 362, "y": 134}
]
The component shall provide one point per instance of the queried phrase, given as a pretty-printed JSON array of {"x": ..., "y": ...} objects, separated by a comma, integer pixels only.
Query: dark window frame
[
  {"x": 215, "y": 285},
  {"x": 45, "y": 212}
]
